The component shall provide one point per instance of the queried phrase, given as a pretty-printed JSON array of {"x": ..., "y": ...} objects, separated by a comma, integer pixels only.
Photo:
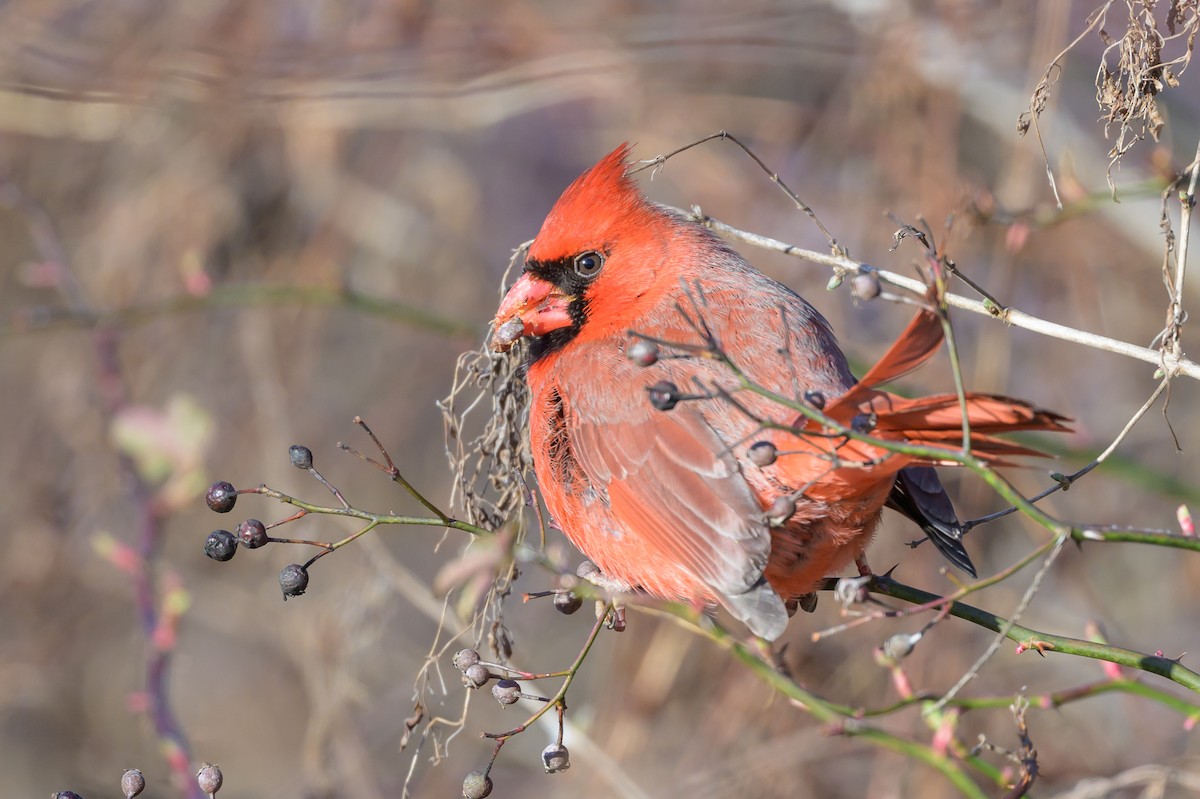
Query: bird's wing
[
  {"x": 918, "y": 494},
  {"x": 670, "y": 479}
]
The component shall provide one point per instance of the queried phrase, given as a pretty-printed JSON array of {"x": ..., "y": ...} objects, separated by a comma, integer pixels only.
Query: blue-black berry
[
  {"x": 300, "y": 456},
  {"x": 293, "y": 580},
  {"x": 221, "y": 545},
  {"x": 664, "y": 395},
  {"x": 252, "y": 534},
  {"x": 221, "y": 497}
]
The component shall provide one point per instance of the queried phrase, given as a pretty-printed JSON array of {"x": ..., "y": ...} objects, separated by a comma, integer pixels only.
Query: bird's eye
[{"x": 588, "y": 264}]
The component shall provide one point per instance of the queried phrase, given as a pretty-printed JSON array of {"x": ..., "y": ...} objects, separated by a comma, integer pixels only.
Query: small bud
[
  {"x": 465, "y": 659},
  {"x": 900, "y": 646},
  {"x": 132, "y": 783},
  {"x": 664, "y": 395},
  {"x": 556, "y": 758},
  {"x": 815, "y": 399},
  {"x": 834, "y": 282},
  {"x": 477, "y": 785},
  {"x": 476, "y": 676},
  {"x": 209, "y": 778},
  {"x": 763, "y": 453},
  {"x": 221, "y": 497},
  {"x": 252, "y": 534},
  {"x": 781, "y": 510},
  {"x": 567, "y": 602},
  {"x": 506, "y": 692},
  {"x": 221, "y": 545},
  {"x": 293, "y": 580},
  {"x": 866, "y": 286},
  {"x": 65, "y": 795},
  {"x": 642, "y": 352},
  {"x": 864, "y": 422},
  {"x": 300, "y": 456}
]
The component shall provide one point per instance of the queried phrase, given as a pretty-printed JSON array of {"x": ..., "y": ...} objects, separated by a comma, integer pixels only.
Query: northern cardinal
[{"x": 667, "y": 495}]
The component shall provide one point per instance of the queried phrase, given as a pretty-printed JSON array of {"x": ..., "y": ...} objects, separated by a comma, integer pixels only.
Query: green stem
[
  {"x": 559, "y": 698},
  {"x": 368, "y": 516},
  {"x": 236, "y": 295},
  {"x": 1045, "y": 642}
]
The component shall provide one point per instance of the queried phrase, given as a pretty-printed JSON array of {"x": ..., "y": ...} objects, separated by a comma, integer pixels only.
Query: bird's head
[{"x": 599, "y": 252}]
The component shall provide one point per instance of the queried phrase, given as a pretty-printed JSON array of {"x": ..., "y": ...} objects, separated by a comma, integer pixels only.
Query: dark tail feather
[{"x": 919, "y": 495}]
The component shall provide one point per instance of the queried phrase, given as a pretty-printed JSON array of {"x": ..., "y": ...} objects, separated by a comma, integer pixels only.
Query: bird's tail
[{"x": 938, "y": 420}]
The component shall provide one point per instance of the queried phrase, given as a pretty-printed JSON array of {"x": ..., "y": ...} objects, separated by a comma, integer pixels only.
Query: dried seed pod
[
  {"x": 556, "y": 758},
  {"x": 132, "y": 783},
  {"x": 476, "y": 785},
  {"x": 465, "y": 659}
]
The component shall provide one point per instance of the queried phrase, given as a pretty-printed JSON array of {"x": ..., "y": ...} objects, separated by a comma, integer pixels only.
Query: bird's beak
[{"x": 532, "y": 307}]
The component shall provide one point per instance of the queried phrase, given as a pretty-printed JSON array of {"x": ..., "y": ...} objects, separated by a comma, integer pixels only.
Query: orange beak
[{"x": 532, "y": 307}]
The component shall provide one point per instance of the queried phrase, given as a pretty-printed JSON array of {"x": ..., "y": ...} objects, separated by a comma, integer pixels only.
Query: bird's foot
[
  {"x": 805, "y": 602},
  {"x": 852, "y": 590},
  {"x": 864, "y": 570},
  {"x": 591, "y": 572}
]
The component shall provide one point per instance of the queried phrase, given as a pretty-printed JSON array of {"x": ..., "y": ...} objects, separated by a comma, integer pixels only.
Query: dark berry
[
  {"x": 300, "y": 456},
  {"x": 815, "y": 399},
  {"x": 477, "y": 785},
  {"x": 221, "y": 545},
  {"x": 781, "y": 510},
  {"x": 664, "y": 395},
  {"x": 221, "y": 497},
  {"x": 864, "y": 422},
  {"x": 66, "y": 795},
  {"x": 476, "y": 676},
  {"x": 293, "y": 580},
  {"x": 763, "y": 453},
  {"x": 556, "y": 758},
  {"x": 209, "y": 778},
  {"x": 465, "y": 659},
  {"x": 506, "y": 692},
  {"x": 642, "y": 352},
  {"x": 567, "y": 602},
  {"x": 252, "y": 534},
  {"x": 132, "y": 783}
]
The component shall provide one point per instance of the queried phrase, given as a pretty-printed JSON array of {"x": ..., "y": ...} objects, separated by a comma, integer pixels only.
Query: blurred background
[{"x": 230, "y": 227}]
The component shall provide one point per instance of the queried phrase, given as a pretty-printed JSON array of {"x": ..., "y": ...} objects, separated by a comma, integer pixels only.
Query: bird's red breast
[{"x": 670, "y": 501}]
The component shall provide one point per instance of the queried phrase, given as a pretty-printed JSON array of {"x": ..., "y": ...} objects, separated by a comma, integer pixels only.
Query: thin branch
[
  {"x": 1002, "y": 633},
  {"x": 1009, "y": 315},
  {"x": 1064, "y": 482}
]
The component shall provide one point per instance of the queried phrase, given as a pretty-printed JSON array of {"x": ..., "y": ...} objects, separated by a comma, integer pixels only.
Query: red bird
[{"x": 667, "y": 497}]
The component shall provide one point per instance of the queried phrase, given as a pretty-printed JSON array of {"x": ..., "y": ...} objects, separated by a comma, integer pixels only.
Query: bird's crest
[{"x": 601, "y": 205}]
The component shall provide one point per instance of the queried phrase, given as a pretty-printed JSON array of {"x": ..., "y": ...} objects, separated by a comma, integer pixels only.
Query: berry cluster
[
  {"x": 507, "y": 691},
  {"x": 222, "y": 545},
  {"x": 508, "y": 685}
]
